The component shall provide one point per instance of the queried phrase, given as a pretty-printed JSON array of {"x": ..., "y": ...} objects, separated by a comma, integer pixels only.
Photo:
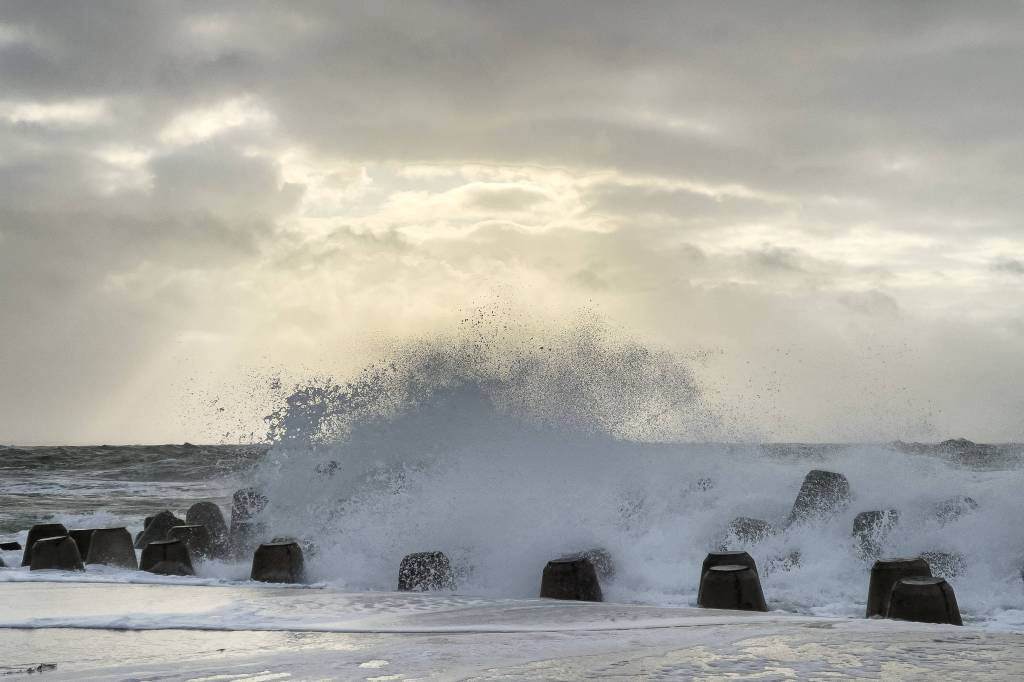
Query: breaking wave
[{"x": 506, "y": 447}]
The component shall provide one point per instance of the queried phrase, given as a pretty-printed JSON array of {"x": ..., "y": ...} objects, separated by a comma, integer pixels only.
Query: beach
[{"x": 96, "y": 631}]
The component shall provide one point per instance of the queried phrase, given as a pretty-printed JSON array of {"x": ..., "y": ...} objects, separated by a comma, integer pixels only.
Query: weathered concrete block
[
  {"x": 723, "y": 558},
  {"x": 37, "y": 532},
  {"x": 821, "y": 494},
  {"x": 573, "y": 578},
  {"x": 113, "y": 547},
  {"x": 56, "y": 553},
  {"x": 157, "y": 528},
  {"x": 170, "y": 568},
  {"x": 601, "y": 558},
  {"x": 924, "y": 600},
  {"x": 81, "y": 536},
  {"x": 884, "y": 574},
  {"x": 167, "y": 557},
  {"x": 278, "y": 562},
  {"x": 423, "y": 571},
  {"x": 726, "y": 558},
  {"x": 731, "y": 586},
  {"x": 871, "y": 528},
  {"x": 209, "y": 514},
  {"x": 308, "y": 547},
  {"x": 196, "y": 538}
]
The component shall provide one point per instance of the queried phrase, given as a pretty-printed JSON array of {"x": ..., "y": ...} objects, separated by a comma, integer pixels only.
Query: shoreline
[{"x": 91, "y": 631}]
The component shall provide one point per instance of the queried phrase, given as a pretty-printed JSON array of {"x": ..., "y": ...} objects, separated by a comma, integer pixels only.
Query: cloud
[
  {"x": 1010, "y": 266},
  {"x": 501, "y": 198},
  {"x": 870, "y": 303},
  {"x": 198, "y": 125},
  {"x": 74, "y": 113},
  {"x": 221, "y": 180},
  {"x": 216, "y": 188}
]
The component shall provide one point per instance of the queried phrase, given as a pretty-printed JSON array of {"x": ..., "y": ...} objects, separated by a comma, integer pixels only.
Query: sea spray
[
  {"x": 506, "y": 451},
  {"x": 502, "y": 449}
]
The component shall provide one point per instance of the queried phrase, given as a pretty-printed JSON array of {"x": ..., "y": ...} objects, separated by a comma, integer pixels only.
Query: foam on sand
[{"x": 240, "y": 633}]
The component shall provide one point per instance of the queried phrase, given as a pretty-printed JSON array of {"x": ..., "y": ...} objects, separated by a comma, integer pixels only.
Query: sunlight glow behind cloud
[{"x": 824, "y": 201}]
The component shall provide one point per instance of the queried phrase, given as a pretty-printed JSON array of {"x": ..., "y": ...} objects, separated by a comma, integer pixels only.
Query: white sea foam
[{"x": 506, "y": 453}]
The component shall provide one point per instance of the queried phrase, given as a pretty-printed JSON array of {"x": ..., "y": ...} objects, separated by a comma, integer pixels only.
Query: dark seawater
[{"x": 119, "y": 483}]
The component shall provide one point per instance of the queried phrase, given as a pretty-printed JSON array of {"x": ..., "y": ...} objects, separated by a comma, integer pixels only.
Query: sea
[{"x": 505, "y": 458}]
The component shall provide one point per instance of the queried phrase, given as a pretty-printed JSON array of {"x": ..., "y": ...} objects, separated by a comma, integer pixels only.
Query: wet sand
[{"x": 171, "y": 632}]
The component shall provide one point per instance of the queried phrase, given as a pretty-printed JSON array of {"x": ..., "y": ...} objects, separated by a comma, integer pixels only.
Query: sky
[{"x": 819, "y": 202}]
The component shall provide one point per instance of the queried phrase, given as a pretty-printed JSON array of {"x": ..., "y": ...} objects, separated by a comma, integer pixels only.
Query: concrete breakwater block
[
  {"x": 924, "y": 600},
  {"x": 145, "y": 524},
  {"x": 731, "y": 586},
  {"x": 81, "y": 536},
  {"x": 573, "y": 578},
  {"x": 157, "y": 528},
  {"x": 37, "y": 532},
  {"x": 278, "y": 562},
  {"x": 167, "y": 557},
  {"x": 195, "y": 537},
  {"x": 887, "y": 572},
  {"x": 727, "y": 557},
  {"x": 748, "y": 530},
  {"x": 424, "y": 571},
  {"x": 209, "y": 514},
  {"x": 56, "y": 553},
  {"x": 822, "y": 493},
  {"x": 600, "y": 557},
  {"x": 113, "y": 547},
  {"x": 723, "y": 558},
  {"x": 308, "y": 547},
  {"x": 871, "y": 528}
]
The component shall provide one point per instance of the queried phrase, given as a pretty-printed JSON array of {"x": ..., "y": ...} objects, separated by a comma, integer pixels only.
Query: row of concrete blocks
[
  {"x": 53, "y": 547},
  {"x": 900, "y": 588},
  {"x": 169, "y": 543},
  {"x": 822, "y": 494}
]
